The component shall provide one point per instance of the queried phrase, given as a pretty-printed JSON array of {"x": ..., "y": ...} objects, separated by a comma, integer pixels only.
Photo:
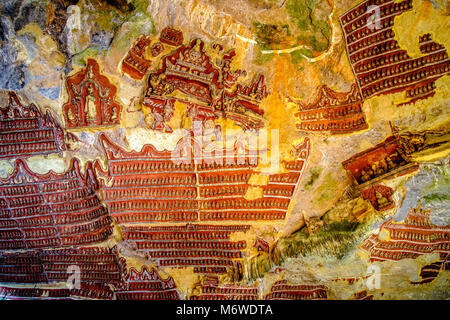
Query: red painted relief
[
  {"x": 96, "y": 265},
  {"x": 25, "y": 131},
  {"x": 206, "y": 86},
  {"x": 146, "y": 285},
  {"x": 386, "y": 160},
  {"x": 90, "y": 292},
  {"x": 380, "y": 65},
  {"x": 162, "y": 112},
  {"x": 207, "y": 248},
  {"x": 157, "y": 49},
  {"x": 149, "y": 186},
  {"x": 153, "y": 186},
  {"x": 212, "y": 291},
  {"x": 91, "y": 99},
  {"x": 51, "y": 210},
  {"x": 430, "y": 272},
  {"x": 135, "y": 64},
  {"x": 261, "y": 245},
  {"x": 410, "y": 238},
  {"x": 171, "y": 36},
  {"x": 282, "y": 290},
  {"x": 333, "y": 112},
  {"x": 362, "y": 295},
  {"x": 242, "y": 105},
  {"x": 380, "y": 197},
  {"x": 189, "y": 70}
]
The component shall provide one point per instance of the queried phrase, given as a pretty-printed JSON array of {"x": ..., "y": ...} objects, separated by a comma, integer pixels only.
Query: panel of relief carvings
[{"x": 254, "y": 150}]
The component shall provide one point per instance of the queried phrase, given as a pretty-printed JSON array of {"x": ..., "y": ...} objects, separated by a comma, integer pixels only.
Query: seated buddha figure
[
  {"x": 390, "y": 162},
  {"x": 365, "y": 176},
  {"x": 384, "y": 165},
  {"x": 378, "y": 169},
  {"x": 381, "y": 201}
]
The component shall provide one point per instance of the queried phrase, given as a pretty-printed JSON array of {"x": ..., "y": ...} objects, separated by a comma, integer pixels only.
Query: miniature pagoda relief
[
  {"x": 48, "y": 224},
  {"x": 171, "y": 36},
  {"x": 26, "y": 131},
  {"x": 414, "y": 236},
  {"x": 334, "y": 112},
  {"x": 209, "y": 87},
  {"x": 52, "y": 210},
  {"x": 135, "y": 64},
  {"x": 92, "y": 99}
]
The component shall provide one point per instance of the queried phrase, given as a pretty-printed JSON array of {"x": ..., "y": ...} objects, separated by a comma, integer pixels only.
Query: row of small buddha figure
[
  {"x": 27, "y": 258},
  {"x": 60, "y": 269},
  {"x": 18, "y": 124},
  {"x": 241, "y": 189},
  {"x": 155, "y": 216},
  {"x": 98, "y": 236},
  {"x": 22, "y": 148},
  {"x": 371, "y": 40},
  {"x": 194, "y": 245},
  {"x": 384, "y": 11},
  {"x": 24, "y": 211},
  {"x": 25, "y": 201},
  {"x": 248, "y": 215},
  {"x": 67, "y": 196},
  {"x": 61, "y": 219},
  {"x": 407, "y": 78},
  {"x": 161, "y": 254},
  {"x": 53, "y": 185},
  {"x": 402, "y": 68},
  {"x": 428, "y": 237},
  {"x": 381, "y": 167},
  {"x": 21, "y": 269},
  {"x": 150, "y": 192},
  {"x": 88, "y": 276},
  {"x": 88, "y": 203},
  {"x": 392, "y": 255},
  {"x": 380, "y": 61},
  {"x": 183, "y": 235},
  {"x": 20, "y": 190},
  {"x": 418, "y": 247},
  {"x": 12, "y": 245},
  {"x": 98, "y": 224},
  {"x": 171, "y": 295},
  {"x": 376, "y": 49},
  {"x": 194, "y": 262},
  {"x": 16, "y": 137},
  {"x": 22, "y": 278},
  {"x": 210, "y": 270}
]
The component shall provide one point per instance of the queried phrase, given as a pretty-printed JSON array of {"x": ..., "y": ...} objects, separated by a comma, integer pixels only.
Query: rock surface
[{"x": 298, "y": 47}]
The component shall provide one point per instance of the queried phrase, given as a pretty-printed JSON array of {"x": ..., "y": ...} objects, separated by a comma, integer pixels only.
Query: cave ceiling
[{"x": 217, "y": 150}]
